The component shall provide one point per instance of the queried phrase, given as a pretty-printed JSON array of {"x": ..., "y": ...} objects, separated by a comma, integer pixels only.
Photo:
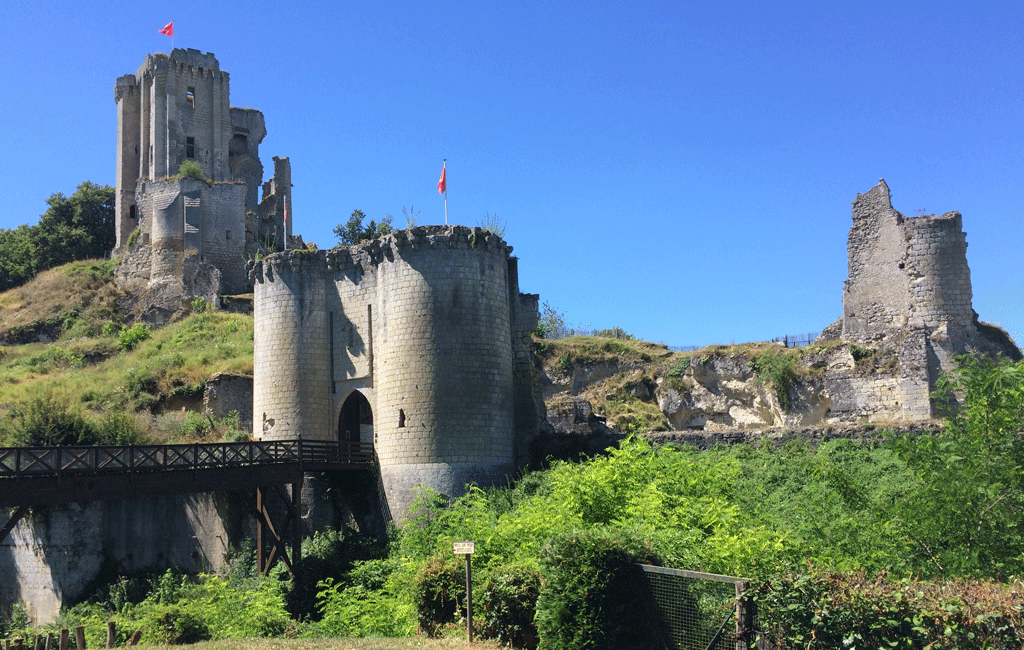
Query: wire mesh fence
[{"x": 701, "y": 610}]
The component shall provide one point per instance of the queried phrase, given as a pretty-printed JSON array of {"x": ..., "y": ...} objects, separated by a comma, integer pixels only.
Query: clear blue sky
[{"x": 682, "y": 170}]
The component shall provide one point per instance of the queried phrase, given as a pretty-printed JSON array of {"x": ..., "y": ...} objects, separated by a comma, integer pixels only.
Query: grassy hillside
[{"x": 69, "y": 345}]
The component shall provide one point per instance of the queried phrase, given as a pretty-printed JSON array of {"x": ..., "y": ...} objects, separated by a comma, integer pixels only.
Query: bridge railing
[{"x": 18, "y": 462}]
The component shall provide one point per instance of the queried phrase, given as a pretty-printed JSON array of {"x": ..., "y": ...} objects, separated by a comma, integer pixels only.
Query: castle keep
[
  {"x": 193, "y": 235},
  {"x": 908, "y": 296},
  {"x": 418, "y": 342}
]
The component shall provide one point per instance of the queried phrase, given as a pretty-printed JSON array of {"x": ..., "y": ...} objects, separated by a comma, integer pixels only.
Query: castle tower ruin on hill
[
  {"x": 418, "y": 342},
  {"x": 193, "y": 236},
  {"x": 909, "y": 297}
]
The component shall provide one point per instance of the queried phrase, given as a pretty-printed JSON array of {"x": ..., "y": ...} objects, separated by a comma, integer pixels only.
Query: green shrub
[
  {"x": 47, "y": 420},
  {"x": 356, "y": 611},
  {"x": 827, "y": 610},
  {"x": 191, "y": 169},
  {"x": 134, "y": 237},
  {"x": 779, "y": 370},
  {"x": 132, "y": 336},
  {"x": 594, "y": 595},
  {"x": 174, "y": 625},
  {"x": 494, "y": 225},
  {"x": 508, "y": 603},
  {"x": 326, "y": 555},
  {"x": 195, "y": 425},
  {"x": 680, "y": 368},
  {"x": 438, "y": 588},
  {"x": 121, "y": 428}
]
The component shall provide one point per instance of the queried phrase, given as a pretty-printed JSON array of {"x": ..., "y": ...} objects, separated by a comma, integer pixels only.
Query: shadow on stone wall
[{"x": 10, "y": 587}]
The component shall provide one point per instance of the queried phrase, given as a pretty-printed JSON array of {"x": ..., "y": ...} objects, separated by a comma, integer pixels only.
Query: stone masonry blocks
[{"x": 424, "y": 324}]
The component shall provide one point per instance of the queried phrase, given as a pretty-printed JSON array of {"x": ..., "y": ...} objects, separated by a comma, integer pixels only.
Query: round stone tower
[
  {"x": 291, "y": 380},
  {"x": 940, "y": 283},
  {"x": 419, "y": 324},
  {"x": 443, "y": 373}
]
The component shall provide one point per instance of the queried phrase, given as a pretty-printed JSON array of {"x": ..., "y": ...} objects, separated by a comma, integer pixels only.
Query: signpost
[{"x": 467, "y": 549}]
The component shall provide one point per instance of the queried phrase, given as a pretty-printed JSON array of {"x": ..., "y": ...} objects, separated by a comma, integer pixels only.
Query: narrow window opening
[
  {"x": 190, "y": 147},
  {"x": 401, "y": 418},
  {"x": 227, "y": 234},
  {"x": 132, "y": 214},
  {"x": 190, "y": 95}
]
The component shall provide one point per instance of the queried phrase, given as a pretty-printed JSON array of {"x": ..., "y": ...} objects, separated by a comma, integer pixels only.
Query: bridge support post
[{"x": 276, "y": 537}]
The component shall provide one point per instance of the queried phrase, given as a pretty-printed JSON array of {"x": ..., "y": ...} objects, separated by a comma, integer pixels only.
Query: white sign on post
[{"x": 463, "y": 548}]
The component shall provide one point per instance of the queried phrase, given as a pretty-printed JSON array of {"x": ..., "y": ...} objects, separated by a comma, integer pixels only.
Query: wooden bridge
[{"x": 33, "y": 476}]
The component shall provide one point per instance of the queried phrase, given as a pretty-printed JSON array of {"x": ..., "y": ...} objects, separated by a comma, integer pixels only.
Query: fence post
[
  {"x": 80, "y": 637},
  {"x": 64, "y": 639},
  {"x": 745, "y": 609},
  {"x": 111, "y": 634}
]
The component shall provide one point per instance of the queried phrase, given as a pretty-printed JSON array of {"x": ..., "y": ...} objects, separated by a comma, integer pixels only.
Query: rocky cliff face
[{"x": 598, "y": 388}]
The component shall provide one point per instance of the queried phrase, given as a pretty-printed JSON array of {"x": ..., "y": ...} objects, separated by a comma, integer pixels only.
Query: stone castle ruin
[
  {"x": 180, "y": 236},
  {"x": 908, "y": 297},
  {"x": 418, "y": 342}
]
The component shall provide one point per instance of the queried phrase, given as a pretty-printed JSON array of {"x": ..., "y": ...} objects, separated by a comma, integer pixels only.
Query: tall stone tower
[
  {"x": 909, "y": 292},
  {"x": 176, "y": 108},
  {"x": 411, "y": 342}
]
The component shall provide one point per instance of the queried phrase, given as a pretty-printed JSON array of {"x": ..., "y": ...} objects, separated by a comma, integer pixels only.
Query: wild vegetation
[
  {"x": 99, "y": 379},
  {"x": 76, "y": 227},
  {"x": 913, "y": 542},
  {"x": 354, "y": 232}
]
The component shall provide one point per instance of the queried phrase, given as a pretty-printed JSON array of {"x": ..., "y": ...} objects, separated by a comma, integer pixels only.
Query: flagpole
[{"x": 445, "y": 167}]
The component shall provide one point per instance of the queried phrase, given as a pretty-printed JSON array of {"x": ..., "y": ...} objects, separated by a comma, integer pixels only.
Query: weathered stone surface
[
  {"x": 225, "y": 393},
  {"x": 426, "y": 329},
  {"x": 176, "y": 108}
]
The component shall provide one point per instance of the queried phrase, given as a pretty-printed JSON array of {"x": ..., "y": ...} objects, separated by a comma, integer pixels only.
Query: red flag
[
  {"x": 442, "y": 185},
  {"x": 168, "y": 29}
]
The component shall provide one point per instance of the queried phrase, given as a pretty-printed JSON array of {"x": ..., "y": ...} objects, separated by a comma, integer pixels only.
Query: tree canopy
[
  {"x": 76, "y": 227},
  {"x": 353, "y": 231}
]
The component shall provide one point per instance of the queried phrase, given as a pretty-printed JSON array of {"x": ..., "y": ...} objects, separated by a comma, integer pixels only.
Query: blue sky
[{"x": 684, "y": 171}]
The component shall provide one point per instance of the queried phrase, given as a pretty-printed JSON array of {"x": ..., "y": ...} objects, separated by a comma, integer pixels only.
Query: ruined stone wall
[
  {"x": 175, "y": 108},
  {"x": 908, "y": 294},
  {"x": 129, "y": 113},
  {"x": 904, "y": 272},
  {"x": 222, "y": 232},
  {"x": 876, "y": 297}
]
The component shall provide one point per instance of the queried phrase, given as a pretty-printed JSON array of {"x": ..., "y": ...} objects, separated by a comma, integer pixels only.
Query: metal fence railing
[{"x": 702, "y": 611}]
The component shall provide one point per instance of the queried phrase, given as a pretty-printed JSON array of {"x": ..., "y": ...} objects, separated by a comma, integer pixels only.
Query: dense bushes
[
  {"x": 824, "y": 610},
  {"x": 593, "y": 592},
  {"x": 558, "y": 549},
  {"x": 507, "y": 604}
]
